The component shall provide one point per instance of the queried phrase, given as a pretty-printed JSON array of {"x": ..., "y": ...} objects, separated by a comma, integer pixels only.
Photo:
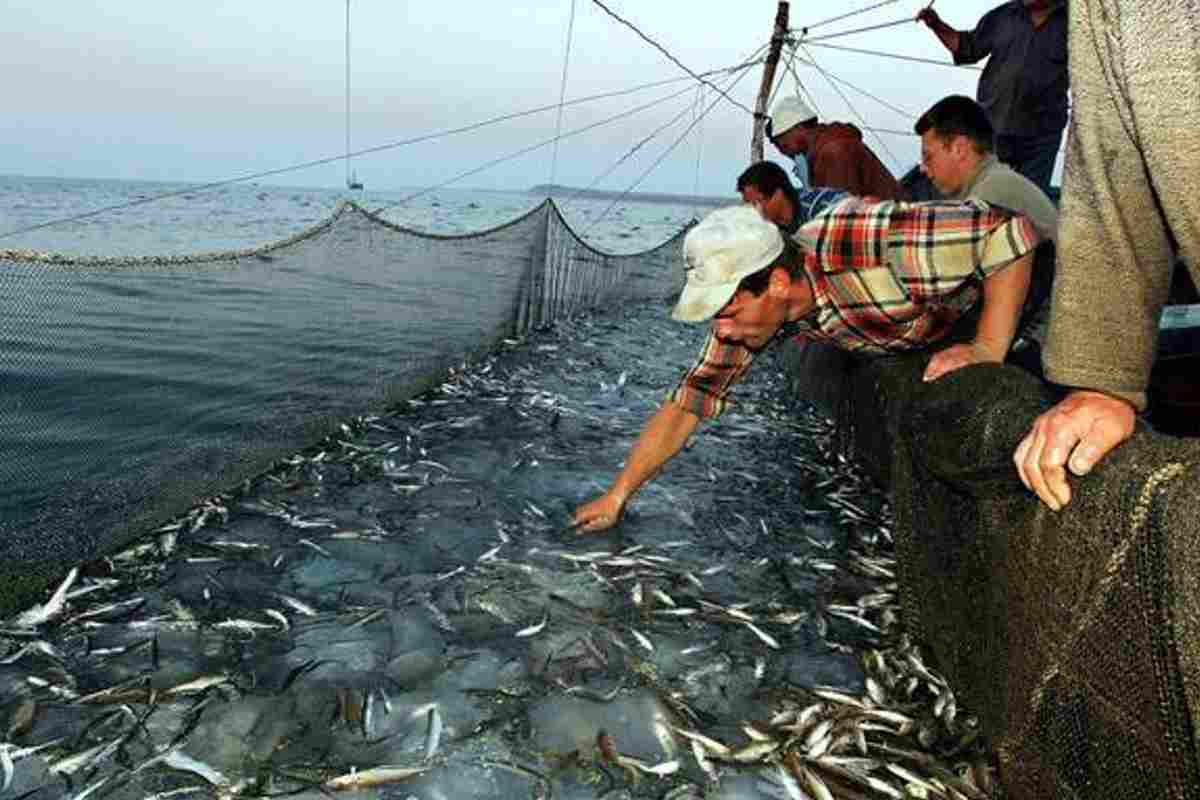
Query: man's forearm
[
  {"x": 946, "y": 35},
  {"x": 1003, "y": 300},
  {"x": 664, "y": 435}
]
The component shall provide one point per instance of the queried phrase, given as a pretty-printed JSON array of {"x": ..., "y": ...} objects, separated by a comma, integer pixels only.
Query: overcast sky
[{"x": 193, "y": 91}]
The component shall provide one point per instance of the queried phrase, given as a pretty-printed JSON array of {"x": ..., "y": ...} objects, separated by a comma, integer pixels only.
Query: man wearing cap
[
  {"x": 870, "y": 277},
  {"x": 1024, "y": 86},
  {"x": 835, "y": 152}
]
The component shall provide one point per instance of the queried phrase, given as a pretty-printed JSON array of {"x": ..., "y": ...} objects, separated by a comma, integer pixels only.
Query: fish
[
  {"x": 533, "y": 630},
  {"x": 41, "y": 614},
  {"x": 376, "y": 776},
  {"x": 433, "y": 733},
  {"x": 763, "y": 635}
]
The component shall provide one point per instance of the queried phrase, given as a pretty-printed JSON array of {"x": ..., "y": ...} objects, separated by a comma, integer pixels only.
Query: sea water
[{"x": 179, "y": 218}]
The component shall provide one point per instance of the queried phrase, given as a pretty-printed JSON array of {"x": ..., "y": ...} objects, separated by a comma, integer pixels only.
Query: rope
[
  {"x": 659, "y": 160},
  {"x": 529, "y": 149},
  {"x": 562, "y": 93},
  {"x": 853, "y": 110},
  {"x": 202, "y": 187},
  {"x": 896, "y": 56},
  {"x": 808, "y": 28},
  {"x": 855, "y": 30},
  {"x": 672, "y": 58},
  {"x": 637, "y": 146},
  {"x": 902, "y": 112},
  {"x": 699, "y": 151},
  {"x": 812, "y": 101}
]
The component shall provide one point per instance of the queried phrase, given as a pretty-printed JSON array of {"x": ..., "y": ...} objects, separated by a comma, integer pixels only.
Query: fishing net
[
  {"x": 132, "y": 387},
  {"x": 1074, "y": 636}
]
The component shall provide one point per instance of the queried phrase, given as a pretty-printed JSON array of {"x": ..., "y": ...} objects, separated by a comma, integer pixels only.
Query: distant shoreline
[{"x": 555, "y": 190}]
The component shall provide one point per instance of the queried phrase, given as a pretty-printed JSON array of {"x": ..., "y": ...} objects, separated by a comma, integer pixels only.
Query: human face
[
  {"x": 792, "y": 142},
  {"x": 751, "y": 320},
  {"x": 942, "y": 161},
  {"x": 775, "y": 207}
]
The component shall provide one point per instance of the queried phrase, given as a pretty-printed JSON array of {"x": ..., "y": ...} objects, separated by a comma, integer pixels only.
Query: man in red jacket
[{"x": 835, "y": 152}]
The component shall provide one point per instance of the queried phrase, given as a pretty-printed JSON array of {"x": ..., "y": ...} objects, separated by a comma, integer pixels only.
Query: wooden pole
[{"x": 768, "y": 80}]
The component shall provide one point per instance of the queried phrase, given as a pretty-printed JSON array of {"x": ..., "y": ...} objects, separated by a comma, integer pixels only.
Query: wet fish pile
[{"x": 403, "y": 612}]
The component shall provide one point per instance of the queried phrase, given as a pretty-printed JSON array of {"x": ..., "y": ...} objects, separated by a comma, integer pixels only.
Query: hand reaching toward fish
[{"x": 600, "y": 514}]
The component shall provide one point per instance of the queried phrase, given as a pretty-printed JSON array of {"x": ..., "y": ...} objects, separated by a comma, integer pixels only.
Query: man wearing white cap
[
  {"x": 871, "y": 277},
  {"x": 835, "y": 152}
]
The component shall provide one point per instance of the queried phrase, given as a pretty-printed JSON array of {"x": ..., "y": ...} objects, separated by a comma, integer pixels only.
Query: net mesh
[
  {"x": 1074, "y": 636},
  {"x": 132, "y": 387}
]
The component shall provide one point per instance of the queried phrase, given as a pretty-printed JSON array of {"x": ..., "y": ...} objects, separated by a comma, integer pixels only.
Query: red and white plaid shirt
[{"x": 886, "y": 277}]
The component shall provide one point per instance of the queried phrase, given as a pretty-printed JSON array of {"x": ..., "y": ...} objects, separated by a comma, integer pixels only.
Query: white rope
[{"x": 562, "y": 95}]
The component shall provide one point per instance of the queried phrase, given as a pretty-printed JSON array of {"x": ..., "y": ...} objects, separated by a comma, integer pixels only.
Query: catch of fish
[{"x": 404, "y": 611}]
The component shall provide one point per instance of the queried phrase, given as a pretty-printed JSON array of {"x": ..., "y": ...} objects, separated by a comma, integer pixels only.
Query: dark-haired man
[
  {"x": 874, "y": 278},
  {"x": 957, "y": 154},
  {"x": 766, "y": 186},
  {"x": 834, "y": 152},
  {"x": 1024, "y": 85}
]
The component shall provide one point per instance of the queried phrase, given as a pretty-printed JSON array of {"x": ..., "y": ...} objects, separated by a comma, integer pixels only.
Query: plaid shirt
[{"x": 886, "y": 277}]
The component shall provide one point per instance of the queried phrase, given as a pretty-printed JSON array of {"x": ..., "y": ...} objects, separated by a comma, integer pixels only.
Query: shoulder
[{"x": 1004, "y": 186}]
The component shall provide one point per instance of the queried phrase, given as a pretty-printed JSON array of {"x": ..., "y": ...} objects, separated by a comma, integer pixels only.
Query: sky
[{"x": 212, "y": 91}]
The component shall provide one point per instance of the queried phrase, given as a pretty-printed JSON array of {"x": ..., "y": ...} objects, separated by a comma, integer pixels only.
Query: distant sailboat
[{"x": 352, "y": 181}]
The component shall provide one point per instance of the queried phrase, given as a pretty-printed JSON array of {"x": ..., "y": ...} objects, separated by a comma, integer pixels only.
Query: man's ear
[{"x": 780, "y": 282}]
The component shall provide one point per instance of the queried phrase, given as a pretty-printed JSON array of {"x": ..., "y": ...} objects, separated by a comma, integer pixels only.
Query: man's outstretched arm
[{"x": 663, "y": 437}]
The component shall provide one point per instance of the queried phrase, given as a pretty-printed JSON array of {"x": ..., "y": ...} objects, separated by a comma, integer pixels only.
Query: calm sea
[{"x": 174, "y": 218}]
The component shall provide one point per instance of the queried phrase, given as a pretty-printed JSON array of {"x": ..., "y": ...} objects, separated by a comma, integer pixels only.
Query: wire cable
[
  {"x": 672, "y": 58},
  {"x": 853, "y": 110},
  {"x": 644, "y": 141},
  {"x": 808, "y": 28},
  {"x": 895, "y": 55},
  {"x": 902, "y": 112},
  {"x": 529, "y": 149},
  {"x": 659, "y": 160},
  {"x": 835, "y": 35},
  {"x": 203, "y": 187},
  {"x": 562, "y": 94}
]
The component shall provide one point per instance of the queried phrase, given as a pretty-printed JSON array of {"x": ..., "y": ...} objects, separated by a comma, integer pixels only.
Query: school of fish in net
[{"x": 403, "y": 612}]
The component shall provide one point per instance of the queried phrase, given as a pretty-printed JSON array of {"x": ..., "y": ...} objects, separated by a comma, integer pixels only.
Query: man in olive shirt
[
  {"x": 958, "y": 155},
  {"x": 1024, "y": 85}
]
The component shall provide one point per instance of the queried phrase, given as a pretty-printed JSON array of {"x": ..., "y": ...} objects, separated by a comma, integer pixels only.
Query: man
[
  {"x": 1129, "y": 193},
  {"x": 958, "y": 155},
  {"x": 1024, "y": 85},
  {"x": 767, "y": 187},
  {"x": 957, "y": 142},
  {"x": 835, "y": 152},
  {"x": 874, "y": 278}
]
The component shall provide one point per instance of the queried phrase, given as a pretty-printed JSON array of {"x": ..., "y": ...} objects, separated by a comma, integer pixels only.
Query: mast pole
[{"x": 768, "y": 80}]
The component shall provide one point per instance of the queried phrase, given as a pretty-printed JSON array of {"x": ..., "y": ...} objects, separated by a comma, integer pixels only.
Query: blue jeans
[{"x": 1032, "y": 156}]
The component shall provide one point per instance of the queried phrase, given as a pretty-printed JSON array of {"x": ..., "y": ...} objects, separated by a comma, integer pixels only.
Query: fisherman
[
  {"x": 869, "y": 277},
  {"x": 766, "y": 186},
  {"x": 1129, "y": 194},
  {"x": 835, "y": 153},
  {"x": 1024, "y": 85},
  {"x": 958, "y": 155}
]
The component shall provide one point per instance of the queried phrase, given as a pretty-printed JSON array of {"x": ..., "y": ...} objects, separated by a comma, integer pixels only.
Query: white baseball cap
[
  {"x": 727, "y": 245},
  {"x": 788, "y": 113}
]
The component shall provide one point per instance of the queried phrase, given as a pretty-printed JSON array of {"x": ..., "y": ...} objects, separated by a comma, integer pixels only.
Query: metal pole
[
  {"x": 347, "y": 150},
  {"x": 768, "y": 80}
]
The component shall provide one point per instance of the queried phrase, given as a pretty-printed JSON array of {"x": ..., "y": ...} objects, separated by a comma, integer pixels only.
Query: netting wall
[
  {"x": 1074, "y": 636},
  {"x": 131, "y": 388}
]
